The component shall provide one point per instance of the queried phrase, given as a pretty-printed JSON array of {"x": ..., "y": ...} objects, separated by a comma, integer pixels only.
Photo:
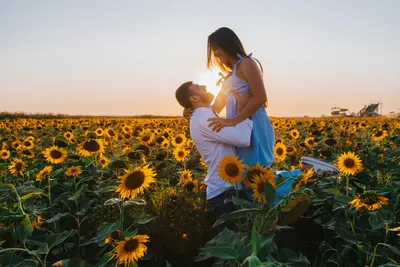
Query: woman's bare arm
[{"x": 219, "y": 102}]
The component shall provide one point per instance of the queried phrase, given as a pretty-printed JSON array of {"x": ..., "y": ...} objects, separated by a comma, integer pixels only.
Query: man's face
[{"x": 199, "y": 94}]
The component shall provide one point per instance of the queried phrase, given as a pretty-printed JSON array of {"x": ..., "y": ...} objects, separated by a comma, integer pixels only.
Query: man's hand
[
  {"x": 187, "y": 113},
  {"x": 241, "y": 101}
]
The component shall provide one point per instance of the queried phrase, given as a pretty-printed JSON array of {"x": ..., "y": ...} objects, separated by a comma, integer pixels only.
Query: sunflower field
[{"x": 130, "y": 192}]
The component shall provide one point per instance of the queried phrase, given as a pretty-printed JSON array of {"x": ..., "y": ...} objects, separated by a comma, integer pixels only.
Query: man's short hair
[{"x": 182, "y": 95}]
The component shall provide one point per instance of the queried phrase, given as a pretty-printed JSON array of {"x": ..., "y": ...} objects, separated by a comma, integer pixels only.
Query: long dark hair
[{"x": 226, "y": 40}]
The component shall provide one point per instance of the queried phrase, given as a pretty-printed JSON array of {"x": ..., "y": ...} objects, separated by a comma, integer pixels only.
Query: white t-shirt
[{"x": 214, "y": 146}]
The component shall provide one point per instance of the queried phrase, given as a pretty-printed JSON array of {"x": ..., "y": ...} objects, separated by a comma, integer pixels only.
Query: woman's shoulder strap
[{"x": 250, "y": 56}]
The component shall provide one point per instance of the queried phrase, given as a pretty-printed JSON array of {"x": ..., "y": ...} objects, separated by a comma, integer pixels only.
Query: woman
[{"x": 242, "y": 76}]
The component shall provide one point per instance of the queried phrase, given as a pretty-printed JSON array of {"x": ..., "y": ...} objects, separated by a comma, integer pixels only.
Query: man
[{"x": 213, "y": 146}]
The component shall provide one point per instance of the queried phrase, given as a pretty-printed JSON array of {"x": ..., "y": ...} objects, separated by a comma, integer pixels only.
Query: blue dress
[{"x": 261, "y": 149}]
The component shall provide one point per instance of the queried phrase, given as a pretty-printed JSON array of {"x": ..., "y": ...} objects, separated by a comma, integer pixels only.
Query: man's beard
[{"x": 207, "y": 98}]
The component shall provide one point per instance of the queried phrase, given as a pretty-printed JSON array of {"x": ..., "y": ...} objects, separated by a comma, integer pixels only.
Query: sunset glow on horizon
[{"x": 126, "y": 58}]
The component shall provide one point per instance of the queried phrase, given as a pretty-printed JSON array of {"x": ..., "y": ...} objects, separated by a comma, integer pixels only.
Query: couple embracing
[{"x": 246, "y": 132}]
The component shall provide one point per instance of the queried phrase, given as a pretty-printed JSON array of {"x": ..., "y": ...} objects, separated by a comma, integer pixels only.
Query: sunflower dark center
[
  {"x": 179, "y": 140},
  {"x": 189, "y": 186},
  {"x": 251, "y": 175},
  {"x": 379, "y": 134},
  {"x": 370, "y": 199},
  {"x": 68, "y": 135},
  {"x": 18, "y": 166},
  {"x": 310, "y": 142},
  {"x": 111, "y": 133},
  {"x": 131, "y": 245},
  {"x": 146, "y": 138},
  {"x": 232, "y": 169},
  {"x": 4, "y": 154},
  {"x": 349, "y": 163},
  {"x": 279, "y": 151},
  {"x": 330, "y": 142},
  {"x": 26, "y": 152},
  {"x": 135, "y": 180},
  {"x": 260, "y": 187},
  {"x": 55, "y": 154},
  {"x": 27, "y": 143},
  {"x": 91, "y": 146},
  {"x": 181, "y": 153}
]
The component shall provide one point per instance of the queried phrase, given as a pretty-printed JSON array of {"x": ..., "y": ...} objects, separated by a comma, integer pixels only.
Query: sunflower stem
[
  {"x": 347, "y": 185},
  {"x": 49, "y": 189},
  {"x": 237, "y": 190},
  {"x": 121, "y": 210}
]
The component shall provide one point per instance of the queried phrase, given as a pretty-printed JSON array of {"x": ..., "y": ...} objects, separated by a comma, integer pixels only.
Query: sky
[{"x": 97, "y": 57}]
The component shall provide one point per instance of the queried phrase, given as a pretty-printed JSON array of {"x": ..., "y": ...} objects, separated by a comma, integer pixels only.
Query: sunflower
[
  {"x": 99, "y": 132},
  {"x": 369, "y": 201},
  {"x": 74, "y": 171},
  {"x": 44, "y": 173},
  {"x": 189, "y": 143},
  {"x": 180, "y": 154},
  {"x": 203, "y": 163},
  {"x": 230, "y": 169},
  {"x": 68, "y": 135},
  {"x": 31, "y": 138},
  {"x": 330, "y": 142},
  {"x": 278, "y": 140},
  {"x": 28, "y": 144},
  {"x": 309, "y": 142},
  {"x": 146, "y": 137},
  {"x": 16, "y": 144},
  {"x": 191, "y": 186},
  {"x": 126, "y": 129},
  {"x": 4, "y": 154},
  {"x": 103, "y": 161},
  {"x": 116, "y": 235},
  {"x": 280, "y": 152},
  {"x": 111, "y": 134},
  {"x": 91, "y": 147},
  {"x": 302, "y": 180},
  {"x": 294, "y": 133},
  {"x": 253, "y": 171},
  {"x": 37, "y": 222},
  {"x": 131, "y": 249},
  {"x": 179, "y": 140},
  {"x": 27, "y": 153},
  {"x": 258, "y": 185},
  {"x": 379, "y": 135},
  {"x": 55, "y": 155},
  {"x": 17, "y": 167},
  {"x": 349, "y": 163},
  {"x": 165, "y": 144},
  {"x": 134, "y": 182},
  {"x": 185, "y": 175}
]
